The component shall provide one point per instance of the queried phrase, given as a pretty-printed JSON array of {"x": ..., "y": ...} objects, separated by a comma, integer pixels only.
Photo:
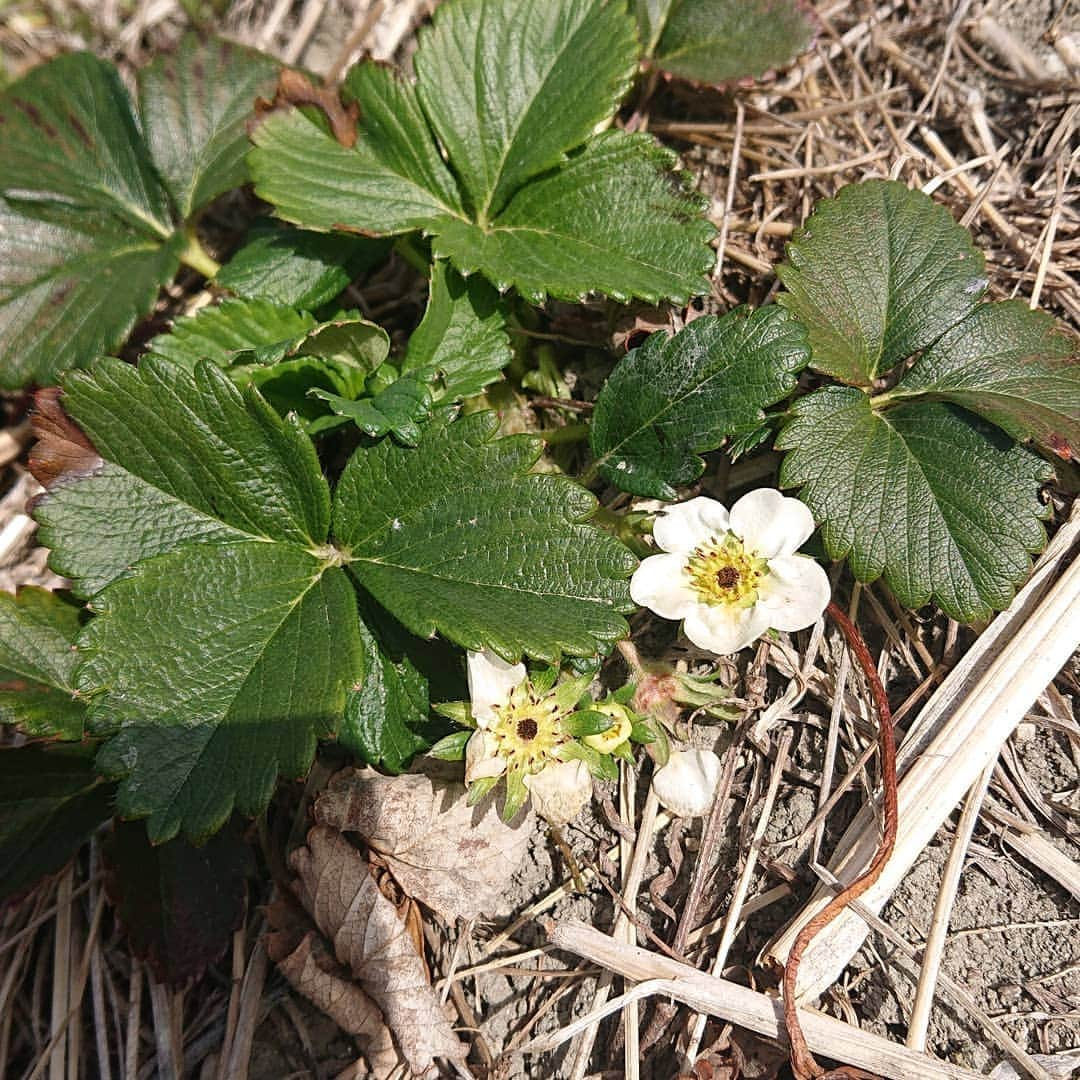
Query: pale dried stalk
[
  {"x": 742, "y": 886},
  {"x": 939, "y": 925},
  {"x": 631, "y": 1016},
  {"x": 631, "y": 884},
  {"x": 61, "y": 987},
  {"x": 1038, "y": 851},
  {"x": 748, "y": 1009},
  {"x": 958, "y": 733}
]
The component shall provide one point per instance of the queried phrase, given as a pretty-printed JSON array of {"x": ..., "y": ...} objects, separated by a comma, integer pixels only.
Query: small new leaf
[
  {"x": 462, "y": 336},
  {"x": 456, "y": 536},
  {"x": 942, "y": 505},
  {"x": 37, "y": 664},
  {"x": 876, "y": 274},
  {"x": 674, "y": 398}
]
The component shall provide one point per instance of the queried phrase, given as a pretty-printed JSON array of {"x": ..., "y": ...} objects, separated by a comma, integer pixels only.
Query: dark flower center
[
  {"x": 727, "y": 577},
  {"x": 527, "y": 728}
]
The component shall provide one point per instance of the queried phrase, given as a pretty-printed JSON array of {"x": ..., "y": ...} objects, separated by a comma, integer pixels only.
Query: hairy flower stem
[
  {"x": 568, "y": 857},
  {"x": 803, "y": 1063}
]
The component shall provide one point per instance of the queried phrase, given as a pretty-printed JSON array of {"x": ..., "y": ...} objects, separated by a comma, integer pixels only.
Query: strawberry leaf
[
  {"x": 538, "y": 202},
  {"x": 1014, "y": 366},
  {"x": 456, "y": 536},
  {"x": 203, "y": 539},
  {"x": 942, "y": 505},
  {"x": 716, "y": 41},
  {"x": 89, "y": 212},
  {"x": 559, "y": 68},
  {"x": 295, "y": 267},
  {"x": 194, "y": 106},
  {"x": 462, "y": 336},
  {"x": 179, "y": 904},
  {"x": 51, "y": 802},
  {"x": 674, "y": 398},
  {"x": 877, "y": 274},
  {"x": 37, "y": 664}
]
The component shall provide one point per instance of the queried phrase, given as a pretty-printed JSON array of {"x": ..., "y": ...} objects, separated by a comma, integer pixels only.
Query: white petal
[
  {"x": 491, "y": 679},
  {"x": 794, "y": 592},
  {"x": 660, "y": 584},
  {"x": 684, "y": 526},
  {"x": 560, "y": 791},
  {"x": 722, "y": 629},
  {"x": 771, "y": 524},
  {"x": 687, "y": 783},
  {"x": 480, "y": 758}
]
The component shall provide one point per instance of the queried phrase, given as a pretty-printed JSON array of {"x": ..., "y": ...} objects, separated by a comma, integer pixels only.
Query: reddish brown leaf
[
  {"x": 179, "y": 904},
  {"x": 62, "y": 449}
]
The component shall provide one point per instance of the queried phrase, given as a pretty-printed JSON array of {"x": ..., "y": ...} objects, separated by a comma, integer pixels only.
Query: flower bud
[{"x": 687, "y": 783}]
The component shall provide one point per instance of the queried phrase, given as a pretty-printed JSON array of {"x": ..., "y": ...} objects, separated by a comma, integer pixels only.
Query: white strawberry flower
[
  {"x": 519, "y": 733},
  {"x": 730, "y": 576}
]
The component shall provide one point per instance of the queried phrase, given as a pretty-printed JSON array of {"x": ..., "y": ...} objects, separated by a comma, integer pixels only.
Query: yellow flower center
[
  {"x": 724, "y": 572},
  {"x": 528, "y": 729}
]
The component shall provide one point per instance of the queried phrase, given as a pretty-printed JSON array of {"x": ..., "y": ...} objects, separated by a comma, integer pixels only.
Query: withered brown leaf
[
  {"x": 453, "y": 858},
  {"x": 304, "y": 958},
  {"x": 336, "y": 887}
]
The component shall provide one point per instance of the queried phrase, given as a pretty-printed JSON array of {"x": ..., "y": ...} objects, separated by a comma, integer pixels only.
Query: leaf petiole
[{"x": 197, "y": 258}]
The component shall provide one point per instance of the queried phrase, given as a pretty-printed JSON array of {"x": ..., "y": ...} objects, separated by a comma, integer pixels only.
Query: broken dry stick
[{"x": 666, "y": 978}]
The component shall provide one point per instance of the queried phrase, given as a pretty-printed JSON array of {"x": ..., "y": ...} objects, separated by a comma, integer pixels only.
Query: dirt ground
[{"x": 922, "y": 90}]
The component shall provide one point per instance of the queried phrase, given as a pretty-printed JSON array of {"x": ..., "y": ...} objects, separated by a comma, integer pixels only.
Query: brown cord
[{"x": 803, "y": 1063}]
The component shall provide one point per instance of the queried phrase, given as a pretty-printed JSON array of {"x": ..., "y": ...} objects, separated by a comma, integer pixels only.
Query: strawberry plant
[{"x": 285, "y": 524}]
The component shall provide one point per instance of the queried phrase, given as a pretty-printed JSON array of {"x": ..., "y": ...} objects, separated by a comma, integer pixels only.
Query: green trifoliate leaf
[
  {"x": 934, "y": 499},
  {"x": 582, "y": 229},
  {"x": 677, "y": 397},
  {"x": 37, "y": 664},
  {"x": 178, "y": 904},
  {"x": 551, "y": 72},
  {"x": 223, "y": 647},
  {"x": 715, "y": 41},
  {"x": 456, "y": 536},
  {"x": 88, "y": 231},
  {"x": 295, "y": 267},
  {"x": 70, "y": 136},
  {"x": 877, "y": 274},
  {"x": 400, "y": 407},
  {"x": 543, "y": 206},
  {"x": 1012, "y": 365},
  {"x": 73, "y": 282},
  {"x": 187, "y": 459},
  {"x": 51, "y": 802},
  {"x": 462, "y": 335},
  {"x": 194, "y": 106}
]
